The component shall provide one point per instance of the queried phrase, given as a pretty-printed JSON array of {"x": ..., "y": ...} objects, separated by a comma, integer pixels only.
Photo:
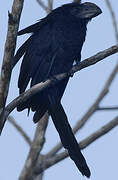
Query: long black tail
[{"x": 67, "y": 137}]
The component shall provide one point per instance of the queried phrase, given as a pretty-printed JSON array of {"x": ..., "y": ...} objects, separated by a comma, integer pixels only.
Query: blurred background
[{"x": 80, "y": 94}]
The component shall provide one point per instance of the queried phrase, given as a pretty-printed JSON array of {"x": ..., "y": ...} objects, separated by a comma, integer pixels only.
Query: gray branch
[
  {"x": 13, "y": 24},
  {"x": 50, "y": 5},
  {"x": 113, "y": 19},
  {"x": 36, "y": 147},
  {"x": 42, "y": 4},
  {"x": 113, "y": 108}
]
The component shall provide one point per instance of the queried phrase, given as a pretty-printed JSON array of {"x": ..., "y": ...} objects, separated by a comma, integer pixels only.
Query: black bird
[{"x": 55, "y": 43}]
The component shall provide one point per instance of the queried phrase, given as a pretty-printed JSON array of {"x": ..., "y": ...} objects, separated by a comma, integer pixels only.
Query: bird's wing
[
  {"x": 35, "y": 57},
  {"x": 44, "y": 58},
  {"x": 34, "y": 27},
  {"x": 40, "y": 24}
]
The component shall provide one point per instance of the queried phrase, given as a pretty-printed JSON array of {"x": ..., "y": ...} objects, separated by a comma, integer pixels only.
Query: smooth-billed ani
[{"x": 55, "y": 43}]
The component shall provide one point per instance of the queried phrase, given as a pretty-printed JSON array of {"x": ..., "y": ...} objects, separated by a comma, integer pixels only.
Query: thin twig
[
  {"x": 13, "y": 24},
  {"x": 83, "y": 144},
  {"x": 35, "y": 149},
  {"x": 20, "y": 130},
  {"x": 41, "y": 86},
  {"x": 41, "y": 3},
  {"x": 107, "y": 108},
  {"x": 113, "y": 19},
  {"x": 50, "y": 5}
]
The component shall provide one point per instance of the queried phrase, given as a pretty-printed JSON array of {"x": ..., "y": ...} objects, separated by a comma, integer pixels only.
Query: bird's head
[{"x": 85, "y": 10}]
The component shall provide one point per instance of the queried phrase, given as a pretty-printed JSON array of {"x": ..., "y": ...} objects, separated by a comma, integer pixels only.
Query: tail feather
[{"x": 67, "y": 137}]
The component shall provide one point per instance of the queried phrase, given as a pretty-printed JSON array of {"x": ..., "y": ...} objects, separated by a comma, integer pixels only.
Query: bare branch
[
  {"x": 41, "y": 3},
  {"x": 50, "y": 5},
  {"x": 35, "y": 149},
  {"x": 19, "y": 129},
  {"x": 83, "y": 144},
  {"x": 113, "y": 19},
  {"x": 41, "y": 86},
  {"x": 107, "y": 108},
  {"x": 13, "y": 24}
]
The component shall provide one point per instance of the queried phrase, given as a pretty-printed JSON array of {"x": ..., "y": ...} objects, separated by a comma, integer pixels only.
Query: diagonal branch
[
  {"x": 113, "y": 18},
  {"x": 41, "y": 86},
  {"x": 41, "y": 3},
  {"x": 83, "y": 144},
  {"x": 19, "y": 129},
  {"x": 13, "y": 24}
]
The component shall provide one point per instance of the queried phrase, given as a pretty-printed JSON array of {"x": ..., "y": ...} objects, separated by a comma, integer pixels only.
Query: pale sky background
[{"x": 81, "y": 92}]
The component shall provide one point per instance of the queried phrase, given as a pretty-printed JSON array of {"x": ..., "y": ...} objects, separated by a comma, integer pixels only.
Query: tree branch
[
  {"x": 41, "y": 86},
  {"x": 83, "y": 144},
  {"x": 113, "y": 19},
  {"x": 19, "y": 129},
  {"x": 13, "y": 24},
  {"x": 50, "y": 5},
  {"x": 36, "y": 147},
  {"x": 41, "y": 3},
  {"x": 107, "y": 108}
]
